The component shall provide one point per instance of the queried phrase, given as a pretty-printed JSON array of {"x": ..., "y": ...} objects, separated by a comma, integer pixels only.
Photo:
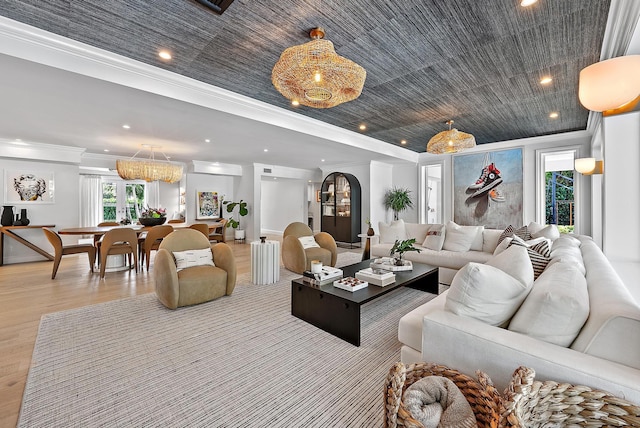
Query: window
[
  {"x": 122, "y": 200},
  {"x": 557, "y": 195},
  {"x": 431, "y": 194}
]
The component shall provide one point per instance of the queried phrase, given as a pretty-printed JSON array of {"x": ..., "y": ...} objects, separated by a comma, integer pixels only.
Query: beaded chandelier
[
  {"x": 148, "y": 169},
  {"x": 450, "y": 141},
  {"x": 314, "y": 75}
]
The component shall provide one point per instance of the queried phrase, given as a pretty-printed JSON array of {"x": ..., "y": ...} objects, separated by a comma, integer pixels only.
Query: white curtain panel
[
  {"x": 90, "y": 200},
  {"x": 153, "y": 194}
]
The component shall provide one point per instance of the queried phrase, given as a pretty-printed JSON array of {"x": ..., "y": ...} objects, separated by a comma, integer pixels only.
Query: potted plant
[
  {"x": 397, "y": 199},
  {"x": 401, "y": 247},
  {"x": 233, "y": 222}
]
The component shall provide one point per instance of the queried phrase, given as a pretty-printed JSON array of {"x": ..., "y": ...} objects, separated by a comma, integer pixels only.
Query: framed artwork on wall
[
  {"x": 488, "y": 189},
  {"x": 28, "y": 187},
  {"x": 318, "y": 195},
  {"x": 208, "y": 206}
]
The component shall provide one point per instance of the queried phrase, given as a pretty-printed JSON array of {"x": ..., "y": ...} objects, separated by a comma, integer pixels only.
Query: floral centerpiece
[{"x": 153, "y": 216}]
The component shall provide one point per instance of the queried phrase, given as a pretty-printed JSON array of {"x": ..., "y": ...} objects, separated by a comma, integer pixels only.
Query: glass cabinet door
[
  {"x": 328, "y": 197},
  {"x": 343, "y": 197}
]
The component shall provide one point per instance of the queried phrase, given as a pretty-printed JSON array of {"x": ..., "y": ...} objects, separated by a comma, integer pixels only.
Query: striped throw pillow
[
  {"x": 539, "y": 253},
  {"x": 522, "y": 233}
]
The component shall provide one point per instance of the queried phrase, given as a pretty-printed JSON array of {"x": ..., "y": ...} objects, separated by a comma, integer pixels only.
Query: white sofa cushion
[
  {"x": 485, "y": 293},
  {"x": 550, "y": 232},
  {"x": 503, "y": 245},
  {"x": 556, "y": 308},
  {"x": 389, "y": 233},
  {"x": 462, "y": 238},
  {"x": 418, "y": 231},
  {"x": 514, "y": 261},
  {"x": 434, "y": 239},
  {"x": 490, "y": 239}
]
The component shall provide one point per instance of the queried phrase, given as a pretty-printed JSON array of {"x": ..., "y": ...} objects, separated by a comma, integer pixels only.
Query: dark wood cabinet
[{"x": 340, "y": 207}]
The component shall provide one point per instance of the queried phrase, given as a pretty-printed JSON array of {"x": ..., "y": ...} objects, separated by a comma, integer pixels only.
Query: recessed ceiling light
[
  {"x": 207, "y": 140},
  {"x": 321, "y": 160},
  {"x": 525, "y": 3},
  {"x": 105, "y": 150},
  {"x": 546, "y": 80},
  {"x": 363, "y": 127},
  {"x": 164, "y": 55},
  {"x": 266, "y": 150},
  {"x": 403, "y": 142},
  {"x": 295, "y": 103},
  {"x": 125, "y": 126},
  {"x": 554, "y": 115}
]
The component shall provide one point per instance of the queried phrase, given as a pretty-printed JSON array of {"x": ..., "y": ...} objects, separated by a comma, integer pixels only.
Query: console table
[{"x": 9, "y": 231}]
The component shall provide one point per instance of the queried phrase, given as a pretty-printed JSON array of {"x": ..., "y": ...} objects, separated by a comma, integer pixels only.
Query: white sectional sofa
[{"x": 605, "y": 354}]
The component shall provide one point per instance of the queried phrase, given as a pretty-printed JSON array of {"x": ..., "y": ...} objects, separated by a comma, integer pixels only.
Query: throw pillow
[
  {"x": 435, "y": 237},
  {"x": 308, "y": 242},
  {"x": 389, "y": 233},
  {"x": 514, "y": 261},
  {"x": 190, "y": 258},
  {"x": 522, "y": 232},
  {"x": 534, "y": 227},
  {"x": 538, "y": 251},
  {"x": 550, "y": 232},
  {"x": 485, "y": 293},
  {"x": 506, "y": 242},
  {"x": 461, "y": 238},
  {"x": 557, "y": 307}
]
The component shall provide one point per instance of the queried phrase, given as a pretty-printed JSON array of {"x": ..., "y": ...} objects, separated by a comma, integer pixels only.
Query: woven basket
[
  {"x": 532, "y": 404},
  {"x": 481, "y": 394}
]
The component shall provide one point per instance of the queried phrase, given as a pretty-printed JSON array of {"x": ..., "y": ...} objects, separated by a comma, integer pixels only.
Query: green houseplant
[
  {"x": 401, "y": 247},
  {"x": 233, "y": 222},
  {"x": 397, "y": 199}
]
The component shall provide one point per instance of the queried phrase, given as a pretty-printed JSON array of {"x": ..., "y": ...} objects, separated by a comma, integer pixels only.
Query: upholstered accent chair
[
  {"x": 61, "y": 250},
  {"x": 298, "y": 259},
  {"x": 119, "y": 241},
  {"x": 196, "y": 283}
]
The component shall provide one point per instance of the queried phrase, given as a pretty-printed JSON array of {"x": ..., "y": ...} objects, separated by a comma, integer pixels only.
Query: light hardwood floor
[{"x": 27, "y": 292}]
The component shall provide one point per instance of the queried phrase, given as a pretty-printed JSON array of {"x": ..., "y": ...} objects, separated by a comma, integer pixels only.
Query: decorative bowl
[{"x": 152, "y": 221}]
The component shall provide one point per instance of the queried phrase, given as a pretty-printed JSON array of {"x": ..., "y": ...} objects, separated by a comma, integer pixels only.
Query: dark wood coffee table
[{"x": 337, "y": 311}]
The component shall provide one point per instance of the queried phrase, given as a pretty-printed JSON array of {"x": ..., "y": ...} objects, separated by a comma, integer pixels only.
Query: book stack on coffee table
[{"x": 327, "y": 276}]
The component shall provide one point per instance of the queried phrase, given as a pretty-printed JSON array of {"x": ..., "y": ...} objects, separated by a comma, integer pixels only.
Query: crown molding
[
  {"x": 30, "y": 150},
  {"x": 36, "y": 45}
]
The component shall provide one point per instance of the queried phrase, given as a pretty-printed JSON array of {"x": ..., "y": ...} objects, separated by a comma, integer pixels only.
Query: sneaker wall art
[{"x": 488, "y": 188}]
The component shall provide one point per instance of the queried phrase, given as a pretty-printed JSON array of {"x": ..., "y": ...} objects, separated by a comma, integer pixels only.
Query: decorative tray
[{"x": 350, "y": 284}]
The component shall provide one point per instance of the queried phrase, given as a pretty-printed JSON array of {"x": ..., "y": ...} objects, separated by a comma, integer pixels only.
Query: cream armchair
[
  {"x": 298, "y": 259},
  {"x": 196, "y": 284}
]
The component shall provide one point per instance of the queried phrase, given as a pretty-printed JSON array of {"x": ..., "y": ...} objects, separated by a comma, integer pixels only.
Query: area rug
[{"x": 238, "y": 361}]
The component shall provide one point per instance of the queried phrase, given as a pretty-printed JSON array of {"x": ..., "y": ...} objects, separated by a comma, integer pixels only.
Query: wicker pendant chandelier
[
  {"x": 450, "y": 141},
  {"x": 314, "y": 75},
  {"x": 149, "y": 169}
]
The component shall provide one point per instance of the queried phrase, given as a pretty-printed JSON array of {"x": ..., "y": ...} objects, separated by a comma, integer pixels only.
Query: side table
[
  {"x": 366, "y": 254},
  {"x": 265, "y": 262}
]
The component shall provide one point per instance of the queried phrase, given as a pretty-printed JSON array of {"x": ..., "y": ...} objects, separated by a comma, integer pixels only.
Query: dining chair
[
  {"x": 152, "y": 241},
  {"x": 173, "y": 221},
  {"x": 218, "y": 233},
  {"x": 202, "y": 227},
  {"x": 119, "y": 241},
  {"x": 62, "y": 250}
]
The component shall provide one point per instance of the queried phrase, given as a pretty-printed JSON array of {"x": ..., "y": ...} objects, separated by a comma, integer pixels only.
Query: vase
[
  {"x": 7, "y": 216},
  {"x": 370, "y": 231},
  {"x": 16, "y": 222},
  {"x": 24, "y": 221}
]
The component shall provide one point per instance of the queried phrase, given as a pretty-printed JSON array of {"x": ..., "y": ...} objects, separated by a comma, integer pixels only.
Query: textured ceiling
[{"x": 427, "y": 61}]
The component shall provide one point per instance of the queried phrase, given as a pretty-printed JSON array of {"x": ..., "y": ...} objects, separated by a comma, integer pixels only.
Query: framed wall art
[
  {"x": 208, "y": 206},
  {"x": 487, "y": 189},
  {"x": 28, "y": 187}
]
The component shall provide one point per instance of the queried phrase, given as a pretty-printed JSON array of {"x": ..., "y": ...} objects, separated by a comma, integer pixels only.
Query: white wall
[
  {"x": 621, "y": 179},
  {"x": 64, "y": 212},
  {"x": 406, "y": 176},
  {"x": 194, "y": 183},
  {"x": 381, "y": 180},
  {"x": 282, "y": 203},
  {"x": 170, "y": 197},
  {"x": 580, "y": 139}
]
